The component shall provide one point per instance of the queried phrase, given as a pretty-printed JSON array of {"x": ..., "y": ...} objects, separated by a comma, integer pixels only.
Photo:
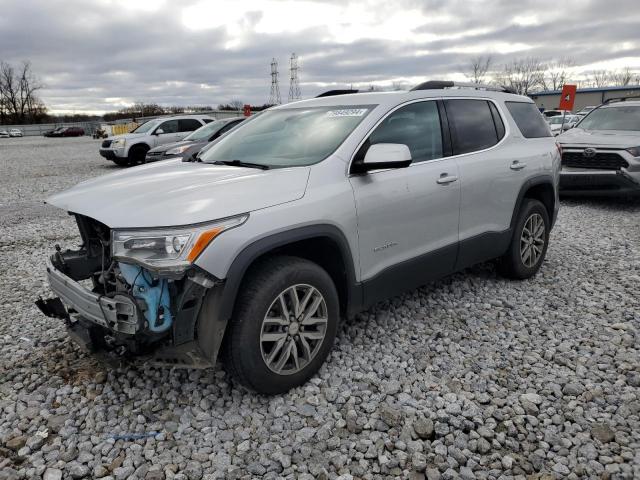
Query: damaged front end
[{"x": 137, "y": 292}]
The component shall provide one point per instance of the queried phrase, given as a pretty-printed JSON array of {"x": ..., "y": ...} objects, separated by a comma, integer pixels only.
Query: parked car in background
[
  {"x": 14, "y": 132},
  {"x": 131, "y": 148},
  {"x": 65, "y": 132},
  {"x": 586, "y": 110},
  {"x": 547, "y": 114},
  {"x": 4, "y": 134},
  {"x": 562, "y": 121},
  {"x": 601, "y": 155},
  {"x": 310, "y": 212},
  {"x": 192, "y": 143}
]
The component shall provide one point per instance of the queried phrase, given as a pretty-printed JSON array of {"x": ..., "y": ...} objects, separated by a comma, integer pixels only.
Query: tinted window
[
  {"x": 207, "y": 120},
  {"x": 497, "y": 120},
  {"x": 228, "y": 127},
  {"x": 528, "y": 119},
  {"x": 189, "y": 125},
  {"x": 417, "y": 126},
  {"x": 170, "y": 126},
  {"x": 471, "y": 125}
]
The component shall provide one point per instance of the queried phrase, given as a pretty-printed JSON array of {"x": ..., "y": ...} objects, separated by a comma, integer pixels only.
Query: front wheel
[
  {"x": 284, "y": 325},
  {"x": 529, "y": 242}
]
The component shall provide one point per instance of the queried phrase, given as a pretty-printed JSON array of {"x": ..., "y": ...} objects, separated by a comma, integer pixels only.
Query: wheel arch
[
  {"x": 323, "y": 244},
  {"x": 539, "y": 188}
]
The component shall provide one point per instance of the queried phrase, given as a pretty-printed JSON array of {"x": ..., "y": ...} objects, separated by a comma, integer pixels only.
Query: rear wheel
[
  {"x": 284, "y": 325},
  {"x": 529, "y": 242}
]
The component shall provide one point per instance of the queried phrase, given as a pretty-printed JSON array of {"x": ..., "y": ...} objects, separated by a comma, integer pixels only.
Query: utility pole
[
  {"x": 274, "y": 98},
  {"x": 294, "y": 83}
]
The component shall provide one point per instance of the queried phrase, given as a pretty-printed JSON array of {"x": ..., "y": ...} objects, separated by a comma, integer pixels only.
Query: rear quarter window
[
  {"x": 472, "y": 125},
  {"x": 528, "y": 119}
]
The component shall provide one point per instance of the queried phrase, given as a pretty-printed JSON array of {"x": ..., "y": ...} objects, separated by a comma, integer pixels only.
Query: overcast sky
[{"x": 102, "y": 55}]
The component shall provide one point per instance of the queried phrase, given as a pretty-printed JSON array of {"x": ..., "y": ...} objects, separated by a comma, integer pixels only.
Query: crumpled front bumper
[{"x": 119, "y": 313}]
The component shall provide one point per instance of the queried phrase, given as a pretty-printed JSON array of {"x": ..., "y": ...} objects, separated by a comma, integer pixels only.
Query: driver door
[
  {"x": 407, "y": 217},
  {"x": 169, "y": 133}
]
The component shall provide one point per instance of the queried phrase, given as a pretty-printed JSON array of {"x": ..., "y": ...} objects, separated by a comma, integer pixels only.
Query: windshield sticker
[{"x": 348, "y": 112}]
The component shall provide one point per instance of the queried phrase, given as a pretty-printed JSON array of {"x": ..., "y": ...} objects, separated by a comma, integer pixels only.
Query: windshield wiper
[{"x": 240, "y": 163}]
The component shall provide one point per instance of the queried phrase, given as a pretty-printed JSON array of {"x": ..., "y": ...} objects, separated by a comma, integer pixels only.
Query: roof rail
[
  {"x": 620, "y": 99},
  {"x": 442, "y": 84},
  {"x": 331, "y": 93}
]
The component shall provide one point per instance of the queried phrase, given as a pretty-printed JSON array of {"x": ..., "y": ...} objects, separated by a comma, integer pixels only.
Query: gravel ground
[{"x": 472, "y": 377}]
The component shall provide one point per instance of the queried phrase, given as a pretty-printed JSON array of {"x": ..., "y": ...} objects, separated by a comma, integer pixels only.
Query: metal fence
[{"x": 91, "y": 127}]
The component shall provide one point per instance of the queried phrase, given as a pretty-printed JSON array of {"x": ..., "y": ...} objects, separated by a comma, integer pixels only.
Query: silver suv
[
  {"x": 601, "y": 154},
  {"x": 131, "y": 148},
  {"x": 299, "y": 217}
]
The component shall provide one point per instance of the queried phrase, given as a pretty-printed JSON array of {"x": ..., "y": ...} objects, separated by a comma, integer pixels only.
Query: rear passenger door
[
  {"x": 489, "y": 180},
  {"x": 407, "y": 217},
  {"x": 186, "y": 126}
]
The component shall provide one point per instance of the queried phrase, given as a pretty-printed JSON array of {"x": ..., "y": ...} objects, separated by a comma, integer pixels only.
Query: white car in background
[
  {"x": 586, "y": 110},
  {"x": 14, "y": 132},
  {"x": 559, "y": 124},
  {"x": 4, "y": 134}
]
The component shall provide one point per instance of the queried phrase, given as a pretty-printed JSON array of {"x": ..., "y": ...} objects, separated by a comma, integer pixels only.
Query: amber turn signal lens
[{"x": 201, "y": 243}]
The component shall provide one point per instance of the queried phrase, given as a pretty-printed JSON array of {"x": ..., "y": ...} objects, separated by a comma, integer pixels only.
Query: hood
[
  {"x": 595, "y": 138},
  {"x": 175, "y": 193},
  {"x": 126, "y": 136},
  {"x": 169, "y": 146}
]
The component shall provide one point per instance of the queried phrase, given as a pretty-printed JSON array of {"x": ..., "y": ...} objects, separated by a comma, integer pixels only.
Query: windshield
[
  {"x": 612, "y": 118},
  {"x": 289, "y": 137},
  {"x": 204, "y": 132},
  {"x": 147, "y": 126}
]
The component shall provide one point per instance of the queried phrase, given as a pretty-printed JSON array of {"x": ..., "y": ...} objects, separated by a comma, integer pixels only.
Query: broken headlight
[{"x": 170, "y": 250}]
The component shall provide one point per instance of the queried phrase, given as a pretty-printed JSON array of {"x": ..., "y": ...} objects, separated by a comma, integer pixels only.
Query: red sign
[
  {"x": 247, "y": 110},
  {"x": 568, "y": 97}
]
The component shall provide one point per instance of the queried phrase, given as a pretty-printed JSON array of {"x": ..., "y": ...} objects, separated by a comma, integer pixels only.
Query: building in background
[{"x": 549, "y": 100}]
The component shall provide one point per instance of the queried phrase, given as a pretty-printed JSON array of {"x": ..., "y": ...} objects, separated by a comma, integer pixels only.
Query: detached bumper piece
[
  {"x": 604, "y": 183},
  {"x": 119, "y": 313}
]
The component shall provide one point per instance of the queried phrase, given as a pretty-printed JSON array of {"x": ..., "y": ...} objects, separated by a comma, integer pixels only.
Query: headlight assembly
[
  {"x": 169, "y": 250},
  {"x": 177, "y": 150},
  {"x": 118, "y": 142},
  {"x": 635, "y": 151}
]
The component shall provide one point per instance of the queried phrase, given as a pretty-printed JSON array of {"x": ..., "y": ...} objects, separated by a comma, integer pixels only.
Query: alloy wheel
[
  {"x": 532, "y": 240},
  {"x": 293, "y": 329}
]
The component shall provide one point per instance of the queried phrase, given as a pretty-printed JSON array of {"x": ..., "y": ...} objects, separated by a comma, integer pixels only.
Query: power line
[
  {"x": 274, "y": 98},
  {"x": 294, "y": 83}
]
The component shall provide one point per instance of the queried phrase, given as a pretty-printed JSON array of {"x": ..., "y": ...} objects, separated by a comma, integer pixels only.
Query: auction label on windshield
[{"x": 347, "y": 112}]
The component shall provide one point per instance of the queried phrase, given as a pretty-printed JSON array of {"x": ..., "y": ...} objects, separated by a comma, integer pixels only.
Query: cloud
[{"x": 109, "y": 53}]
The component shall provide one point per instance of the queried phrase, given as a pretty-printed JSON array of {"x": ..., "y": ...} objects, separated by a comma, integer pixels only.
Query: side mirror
[
  {"x": 159, "y": 131},
  {"x": 386, "y": 155}
]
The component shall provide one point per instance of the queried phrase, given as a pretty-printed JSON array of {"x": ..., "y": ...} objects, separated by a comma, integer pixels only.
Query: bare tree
[
  {"x": 19, "y": 102},
  {"x": 599, "y": 78},
  {"x": 622, "y": 77},
  {"x": 557, "y": 74},
  {"x": 524, "y": 76},
  {"x": 478, "y": 68},
  {"x": 236, "y": 104}
]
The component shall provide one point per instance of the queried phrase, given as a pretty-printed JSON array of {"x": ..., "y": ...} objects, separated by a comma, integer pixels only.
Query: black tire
[
  {"x": 137, "y": 154},
  {"x": 121, "y": 162},
  {"x": 242, "y": 350},
  {"x": 511, "y": 264}
]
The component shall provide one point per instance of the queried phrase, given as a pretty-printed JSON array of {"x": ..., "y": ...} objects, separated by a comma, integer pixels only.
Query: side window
[
  {"x": 416, "y": 125},
  {"x": 189, "y": 124},
  {"x": 227, "y": 127},
  {"x": 207, "y": 120},
  {"x": 497, "y": 121},
  {"x": 528, "y": 119},
  {"x": 170, "y": 126},
  {"x": 472, "y": 125}
]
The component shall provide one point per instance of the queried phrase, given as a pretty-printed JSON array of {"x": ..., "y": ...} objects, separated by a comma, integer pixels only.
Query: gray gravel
[{"x": 472, "y": 377}]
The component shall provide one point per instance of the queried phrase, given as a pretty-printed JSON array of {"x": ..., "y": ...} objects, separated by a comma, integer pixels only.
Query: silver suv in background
[
  {"x": 304, "y": 215},
  {"x": 601, "y": 154},
  {"x": 131, "y": 148}
]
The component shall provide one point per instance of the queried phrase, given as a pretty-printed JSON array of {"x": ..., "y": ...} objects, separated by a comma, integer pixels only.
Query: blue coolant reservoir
[{"x": 154, "y": 293}]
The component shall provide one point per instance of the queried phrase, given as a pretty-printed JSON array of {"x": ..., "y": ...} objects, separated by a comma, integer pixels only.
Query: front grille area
[
  {"x": 601, "y": 160},
  {"x": 106, "y": 143}
]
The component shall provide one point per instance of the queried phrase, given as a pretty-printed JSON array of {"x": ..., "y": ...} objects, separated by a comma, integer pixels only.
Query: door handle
[
  {"x": 516, "y": 165},
  {"x": 445, "y": 178}
]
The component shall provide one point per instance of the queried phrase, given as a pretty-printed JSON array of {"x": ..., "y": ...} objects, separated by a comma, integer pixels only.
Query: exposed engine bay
[{"x": 123, "y": 307}]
